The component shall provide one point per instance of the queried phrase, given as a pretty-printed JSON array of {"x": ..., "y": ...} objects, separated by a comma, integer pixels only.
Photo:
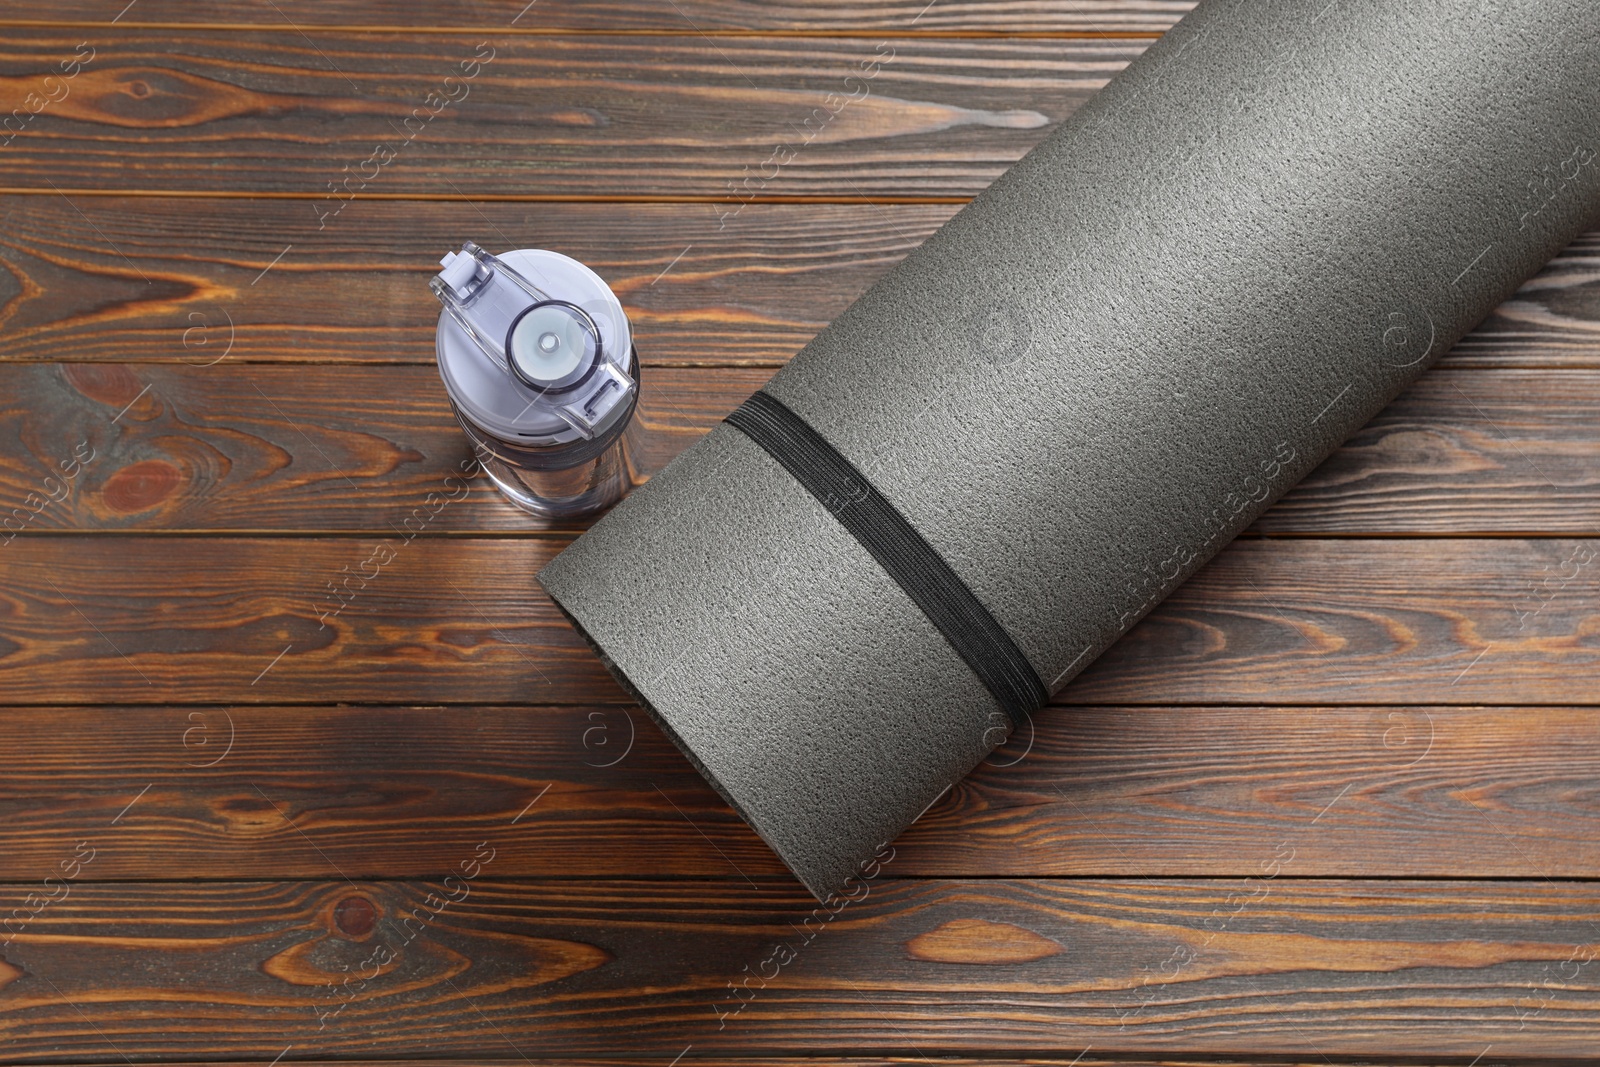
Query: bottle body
[
  {"x": 537, "y": 358},
  {"x": 563, "y": 483}
]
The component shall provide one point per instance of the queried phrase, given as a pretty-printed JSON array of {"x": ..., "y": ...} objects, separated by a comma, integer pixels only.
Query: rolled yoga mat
[{"x": 1080, "y": 388}]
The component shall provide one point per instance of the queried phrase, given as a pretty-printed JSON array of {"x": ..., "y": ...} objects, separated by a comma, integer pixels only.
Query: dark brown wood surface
[
  {"x": 161, "y": 279},
  {"x": 1114, "y": 18},
  {"x": 643, "y": 967},
  {"x": 321, "y": 448},
  {"x": 548, "y": 117},
  {"x": 1335, "y": 802},
  {"x": 242, "y": 791},
  {"x": 87, "y": 619}
]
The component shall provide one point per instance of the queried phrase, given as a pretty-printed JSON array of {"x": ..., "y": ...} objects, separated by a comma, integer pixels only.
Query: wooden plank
[
  {"x": 159, "y": 620},
  {"x": 1462, "y": 451},
  {"x": 1394, "y": 622},
  {"x": 173, "y": 280},
  {"x": 243, "y": 447},
  {"x": 370, "y": 449},
  {"x": 683, "y": 16},
  {"x": 400, "y": 792},
  {"x": 750, "y": 289},
  {"x": 336, "y": 115},
  {"x": 1554, "y": 320},
  {"x": 1275, "y": 965}
]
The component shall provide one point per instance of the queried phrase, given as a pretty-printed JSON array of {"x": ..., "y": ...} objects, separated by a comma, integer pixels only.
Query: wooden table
[{"x": 301, "y": 765}]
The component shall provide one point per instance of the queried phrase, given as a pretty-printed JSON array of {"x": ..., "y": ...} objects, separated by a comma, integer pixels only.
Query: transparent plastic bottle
[{"x": 537, "y": 357}]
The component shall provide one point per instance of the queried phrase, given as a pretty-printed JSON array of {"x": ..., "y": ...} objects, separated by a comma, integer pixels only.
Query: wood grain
[
  {"x": 181, "y": 281},
  {"x": 683, "y": 16},
  {"x": 598, "y": 792},
  {"x": 135, "y": 279},
  {"x": 1461, "y": 451},
  {"x": 1237, "y": 839},
  {"x": 1554, "y": 320},
  {"x": 337, "y": 115},
  {"x": 1272, "y": 966},
  {"x": 314, "y": 449},
  {"x": 159, "y": 620},
  {"x": 367, "y": 449}
]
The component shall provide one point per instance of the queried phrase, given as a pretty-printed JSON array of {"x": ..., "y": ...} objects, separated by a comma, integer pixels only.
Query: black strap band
[{"x": 898, "y": 548}]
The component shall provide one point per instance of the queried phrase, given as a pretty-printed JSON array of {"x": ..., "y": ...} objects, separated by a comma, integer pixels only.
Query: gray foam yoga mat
[{"x": 1082, "y": 386}]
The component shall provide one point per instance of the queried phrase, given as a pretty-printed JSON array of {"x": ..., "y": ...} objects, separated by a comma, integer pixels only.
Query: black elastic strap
[{"x": 899, "y": 548}]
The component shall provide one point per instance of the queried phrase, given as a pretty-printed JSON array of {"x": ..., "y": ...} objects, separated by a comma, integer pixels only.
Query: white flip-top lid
[{"x": 567, "y": 375}]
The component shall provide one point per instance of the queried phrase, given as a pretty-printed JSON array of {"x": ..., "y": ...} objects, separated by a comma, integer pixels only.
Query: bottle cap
[{"x": 533, "y": 346}]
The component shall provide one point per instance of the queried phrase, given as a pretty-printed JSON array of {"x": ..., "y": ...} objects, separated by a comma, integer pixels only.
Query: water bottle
[{"x": 538, "y": 361}]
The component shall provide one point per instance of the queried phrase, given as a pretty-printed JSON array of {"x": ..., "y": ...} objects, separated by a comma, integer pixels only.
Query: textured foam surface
[{"x": 1088, "y": 381}]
